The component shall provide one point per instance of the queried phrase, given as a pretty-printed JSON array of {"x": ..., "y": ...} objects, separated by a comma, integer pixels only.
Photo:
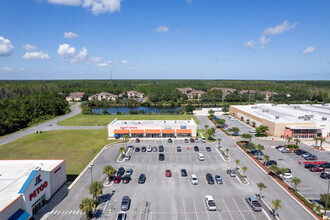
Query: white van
[{"x": 200, "y": 157}]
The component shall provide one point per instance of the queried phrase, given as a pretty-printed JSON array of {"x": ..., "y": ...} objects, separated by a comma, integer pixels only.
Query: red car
[
  {"x": 168, "y": 173},
  {"x": 192, "y": 140},
  {"x": 137, "y": 140},
  {"x": 117, "y": 179},
  {"x": 316, "y": 169}
]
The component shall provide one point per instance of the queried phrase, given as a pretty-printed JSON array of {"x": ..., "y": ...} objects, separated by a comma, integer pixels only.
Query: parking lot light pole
[{"x": 91, "y": 167}]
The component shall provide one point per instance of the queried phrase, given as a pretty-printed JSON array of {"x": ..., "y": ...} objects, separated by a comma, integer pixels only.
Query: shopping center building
[
  {"x": 152, "y": 128},
  {"x": 27, "y": 185},
  {"x": 296, "y": 120}
]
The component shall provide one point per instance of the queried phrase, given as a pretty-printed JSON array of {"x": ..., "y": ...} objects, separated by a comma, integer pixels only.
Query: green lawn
[
  {"x": 103, "y": 120},
  {"x": 202, "y": 131},
  {"x": 75, "y": 146}
]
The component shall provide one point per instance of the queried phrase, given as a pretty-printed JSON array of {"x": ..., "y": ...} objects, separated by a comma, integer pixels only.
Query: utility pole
[{"x": 91, "y": 167}]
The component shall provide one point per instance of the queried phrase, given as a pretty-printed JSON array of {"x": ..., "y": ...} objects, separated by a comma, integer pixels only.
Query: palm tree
[
  {"x": 126, "y": 139},
  {"x": 109, "y": 171},
  {"x": 282, "y": 171},
  {"x": 237, "y": 163},
  {"x": 321, "y": 141},
  {"x": 206, "y": 126},
  {"x": 261, "y": 186},
  {"x": 219, "y": 140},
  {"x": 244, "y": 170},
  {"x": 296, "y": 181},
  {"x": 122, "y": 150},
  {"x": 227, "y": 150},
  {"x": 86, "y": 206},
  {"x": 297, "y": 141},
  {"x": 267, "y": 158},
  {"x": 95, "y": 189},
  {"x": 277, "y": 205},
  {"x": 260, "y": 148},
  {"x": 316, "y": 140},
  {"x": 288, "y": 139}
]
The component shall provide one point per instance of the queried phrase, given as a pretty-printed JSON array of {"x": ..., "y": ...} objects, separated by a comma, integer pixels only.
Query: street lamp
[{"x": 91, "y": 167}]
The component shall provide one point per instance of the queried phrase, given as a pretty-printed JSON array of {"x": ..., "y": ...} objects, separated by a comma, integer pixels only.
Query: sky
[{"x": 165, "y": 39}]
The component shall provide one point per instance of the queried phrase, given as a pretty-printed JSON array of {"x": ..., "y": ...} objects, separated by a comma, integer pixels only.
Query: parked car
[
  {"x": 235, "y": 133},
  {"x": 142, "y": 178},
  {"x": 306, "y": 154},
  {"x": 126, "y": 179},
  {"x": 154, "y": 149},
  {"x": 271, "y": 162},
  {"x": 325, "y": 175},
  {"x": 210, "y": 204},
  {"x": 325, "y": 165},
  {"x": 149, "y": 149},
  {"x": 209, "y": 179},
  {"x": 143, "y": 149},
  {"x": 129, "y": 172},
  {"x": 137, "y": 149},
  {"x": 299, "y": 151},
  {"x": 137, "y": 140},
  {"x": 121, "y": 216},
  {"x": 309, "y": 165},
  {"x": 231, "y": 173},
  {"x": 117, "y": 179},
  {"x": 194, "y": 179},
  {"x": 196, "y": 140},
  {"x": 125, "y": 203},
  {"x": 168, "y": 173},
  {"x": 288, "y": 170},
  {"x": 279, "y": 146},
  {"x": 169, "y": 140},
  {"x": 161, "y": 148},
  {"x": 120, "y": 171},
  {"x": 208, "y": 149},
  {"x": 218, "y": 179},
  {"x": 200, "y": 157},
  {"x": 196, "y": 148},
  {"x": 252, "y": 131},
  {"x": 286, "y": 150},
  {"x": 161, "y": 157},
  {"x": 316, "y": 169},
  {"x": 192, "y": 140},
  {"x": 286, "y": 176},
  {"x": 203, "y": 140},
  {"x": 186, "y": 140},
  {"x": 127, "y": 157},
  {"x": 257, "y": 153},
  {"x": 253, "y": 202},
  {"x": 178, "y": 149},
  {"x": 281, "y": 149},
  {"x": 183, "y": 172},
  {"x": 311, "y": 157}
]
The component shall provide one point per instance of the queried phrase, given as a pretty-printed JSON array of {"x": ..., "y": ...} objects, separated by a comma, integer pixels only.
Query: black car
[
  {"x": 169, "y": 140},
  {"x": 183, "y": 172},
  {"x": 288, "y": 170},
  {"x": 309, "y": 165},
  {"x": 325, "y": 165},
  {"x": 196, "y": 148},
  {"x": 161, "y": 148},
  {"x": 257, "y": 153},
  {"x": 208, "y": 149},
  {"x": 143, "y": 149},
  {"x": 137, "y": 149},
  {"x": 186, "y": 140},
  {"x": 126, "y": 179},
  {"x": 325, "y": 175},
  {"x": 311, "y": 157},
  {"x": 209, "y": 179},
  {"x": 271, "y": 162},
  {"x": 299, "y": 152},
  {"x": 142, "y": 178},
  {"x": 279, "y": 146},
  {"x": 178, "y": 149},
  {"x": 161, "y": 157},
  {"x": 120, "y": 171},
  {"x": 130, "y": 146}
]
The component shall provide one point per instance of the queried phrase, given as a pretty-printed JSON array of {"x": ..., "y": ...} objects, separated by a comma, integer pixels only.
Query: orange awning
[
  {"x": 167, "y": 131},
  {"x": 120, "y": 131},
  {"x": 137, "y": 131},
  {"x": 152, "y": 131},
  {"x": 183, "y": 131}
]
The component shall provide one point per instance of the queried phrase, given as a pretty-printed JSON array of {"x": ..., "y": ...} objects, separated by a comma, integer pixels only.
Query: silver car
[
  {"x": 125, "y": 203},
  {"x": 253, "y": 202}
]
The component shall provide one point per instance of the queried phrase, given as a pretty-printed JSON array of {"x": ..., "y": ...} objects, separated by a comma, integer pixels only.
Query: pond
[{"x": 147, "y": 110}]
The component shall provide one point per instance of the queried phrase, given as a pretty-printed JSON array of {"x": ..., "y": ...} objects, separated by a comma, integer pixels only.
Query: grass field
[
  {"x": 75, "y": 146},
  {"x": 202, "y": 131},
  {"x": 103, "y": 120}
]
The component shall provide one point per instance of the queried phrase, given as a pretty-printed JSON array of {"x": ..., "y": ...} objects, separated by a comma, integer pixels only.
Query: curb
[
  {"x": 279, "y": 185},
  {"x": 222, "y": 156},
  {"x": 86, "y": 168},
  {"x": 248, "y": 183},
  {"x": 268, "y": 208}
]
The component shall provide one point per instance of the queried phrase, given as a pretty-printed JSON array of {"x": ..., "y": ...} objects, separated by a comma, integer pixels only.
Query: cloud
[
  {"x": 70, "y": 35},
  {"x": 65, "y": 51},
  {"x": 124, "y": 62},
  {"x": 81, "y": 56},
  {"x": 162, "y": 29},
  {"x": 105, "y": 64},
  {"x": 264, "y": 40},
  {"x": 309, "y": 50},
  {"x": 7, "y": 69},
  {"x": 6, "y": 48},
  {"x": 285, "y": 26},
  {"x": 95, "y": 6},
  {"x": 29, "y": 47},
  {"x": 36, "y": 56},
  {"x": 95, "y": 59}
]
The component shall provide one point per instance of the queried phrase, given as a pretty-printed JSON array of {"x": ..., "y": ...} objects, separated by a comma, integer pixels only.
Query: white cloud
[
  {"x": 285, "y": 26},
  {"x": 70, "y": 35},
  {"x": 81, "y": 56},
  {"x": 162, "y": 29},
  {"x": 308, "y": 50},
  {"x": 6, "y": 48},
  {"x": 264, "y": 40},
  {"x": 95, "y": 59},
  {"x": 36, "y": 56},
  {"x": 30, "y": 47},
  {"x": 105, "y": 64},
  {"x": 65, "y": 51},
  {"x": 252, "y": 45},
  {"x": 7, "y": 69},
  {"x": 66, "y": 2},
  {"x": 124, "y": 62}
]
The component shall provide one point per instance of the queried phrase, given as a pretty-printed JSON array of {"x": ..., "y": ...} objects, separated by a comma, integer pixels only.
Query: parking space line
[
  {"x": 238, "y": 207},
  {"x": 184, "y": 210},
  {"x": 195, "y": 208},
  {"x": 227, "y": 208},
  {"x": 249, "y": 209},
  {"x": 210, "y": 158},
  {"x": 190, "y": 158},
  {"x": 208, "y": 215}
]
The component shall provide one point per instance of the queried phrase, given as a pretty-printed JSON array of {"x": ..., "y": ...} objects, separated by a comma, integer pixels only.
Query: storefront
[
  {"x": 168, "y": 133},
  {"x": 152, "y": 133},
  {"x": 137, "y": 133},
  {"x": 121, "y": 132},
  {"x": 183, "y": 132}
]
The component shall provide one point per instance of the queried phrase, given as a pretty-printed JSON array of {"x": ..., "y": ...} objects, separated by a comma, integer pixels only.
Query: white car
[
  {"x": 121, "y": 216},
  {"x": 149, "y": 149},
  {"x": 194, "y": 179},
  {"x": 281, "y": 148},
  {"x": 196, "y": 140},
  {"x": 286, "y": 176},
  {"x": 252, "y": 131},
  {"x": 127, "y": 157},
  {"x": 210, "y": 204},
  {"x": 200, "y": 157},
  {"x": 203, "y": 140}
]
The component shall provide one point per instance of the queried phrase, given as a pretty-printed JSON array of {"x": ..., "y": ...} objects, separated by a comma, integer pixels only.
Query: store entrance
[{"x": 38, "y": 204}]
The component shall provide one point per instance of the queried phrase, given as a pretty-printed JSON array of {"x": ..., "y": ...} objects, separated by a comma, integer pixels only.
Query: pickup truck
[{"x": 253, "y": 202}]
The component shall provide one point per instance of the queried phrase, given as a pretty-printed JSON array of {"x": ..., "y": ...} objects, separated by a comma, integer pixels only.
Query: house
[
  {"x": 247, "y": 91},
  {"x": 199, "y": 94},
  {"x": 134, "y": 94},
  {"x": 267, "y": 94},
  {"x": 103, "y": 95},
  {"x": 225, "y": 91},
  {"x": 186, "y": 90},
  {"x": 75, "y": 96}
]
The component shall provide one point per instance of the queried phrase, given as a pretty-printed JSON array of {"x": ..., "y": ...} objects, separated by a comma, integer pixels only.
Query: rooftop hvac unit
[
  {"x": 265, "y": 110},
  {"x": 309, "y": 116},
  {"x": 301, "y": 117},
  {"x": 306, "y": 118},
  {"x": 125, "y": 122},
  {"x": 324, "y": 119},
  {"x": 277, "y": 117},
  {"x": 164, "y": 121},
  {"x": 274, "y": 104},
  {"x": 254, "y": 107},
  {"x": 296, "y": 107},
  {"x": 139, "y": 122}
]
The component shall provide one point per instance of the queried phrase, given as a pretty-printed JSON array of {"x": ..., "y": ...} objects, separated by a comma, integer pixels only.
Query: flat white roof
[
  {"x": 294, "y": 113},
  {"x": 14, "y": 173},
  {"x": 152, "y": 122}
]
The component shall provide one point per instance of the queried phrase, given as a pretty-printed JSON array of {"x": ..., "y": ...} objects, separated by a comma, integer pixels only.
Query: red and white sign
[{"x": 38, "y": 190}]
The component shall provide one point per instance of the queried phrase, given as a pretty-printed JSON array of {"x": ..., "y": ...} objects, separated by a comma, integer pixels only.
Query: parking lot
[{"x": 175, "y": 197}]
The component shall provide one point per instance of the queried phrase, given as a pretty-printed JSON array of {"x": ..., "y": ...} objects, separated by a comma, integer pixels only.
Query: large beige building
[
  {"x": 296, "y": 121},
  {"x": 152, "y": 128}
]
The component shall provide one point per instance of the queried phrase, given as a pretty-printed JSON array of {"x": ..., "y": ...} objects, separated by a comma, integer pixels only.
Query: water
[{"x": 113, "y": 110}]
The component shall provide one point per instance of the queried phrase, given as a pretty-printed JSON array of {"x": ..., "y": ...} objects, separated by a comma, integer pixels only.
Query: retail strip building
[
  {"x": 26, "y": 185},
  {"x": 152, "y": 128}
]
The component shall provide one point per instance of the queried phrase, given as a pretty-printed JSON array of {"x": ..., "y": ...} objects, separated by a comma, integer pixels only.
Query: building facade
[
  {"x": 27, "y": 185},
  {"x": 103, "y": 95},
  {"x": 152, "y": 128},
  {"x": 75, "y": 96}
]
